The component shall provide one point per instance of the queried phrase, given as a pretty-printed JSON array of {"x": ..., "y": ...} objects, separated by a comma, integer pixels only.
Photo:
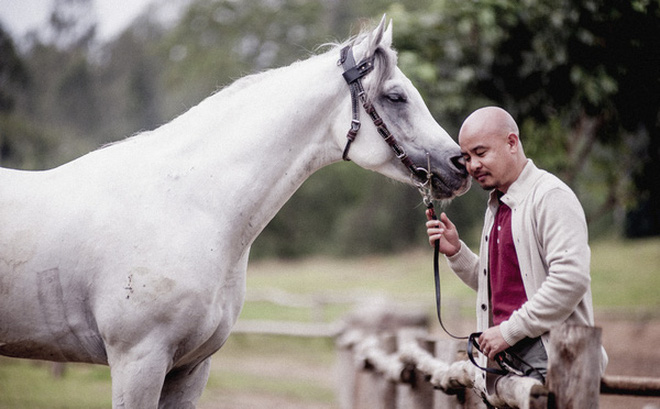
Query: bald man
[{"x": 532, "y": 271}]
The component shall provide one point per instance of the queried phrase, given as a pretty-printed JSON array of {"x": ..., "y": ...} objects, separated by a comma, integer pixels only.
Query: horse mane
[{"x": 385, "y": 60}]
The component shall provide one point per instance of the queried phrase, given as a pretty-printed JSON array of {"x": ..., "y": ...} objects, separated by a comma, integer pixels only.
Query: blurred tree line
[{"x": 582, "y": 78}]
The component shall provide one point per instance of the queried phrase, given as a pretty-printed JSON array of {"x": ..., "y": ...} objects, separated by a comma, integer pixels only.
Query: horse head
[{"x": 418, "y": 149}]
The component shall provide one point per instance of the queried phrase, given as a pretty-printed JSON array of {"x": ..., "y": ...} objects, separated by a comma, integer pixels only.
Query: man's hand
[
  {"x": 492, "y": 342},
  {"x": 444, "y": 231}
]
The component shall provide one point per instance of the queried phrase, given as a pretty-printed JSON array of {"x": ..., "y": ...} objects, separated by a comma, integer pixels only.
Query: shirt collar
[{"x": 519, "y": 188}]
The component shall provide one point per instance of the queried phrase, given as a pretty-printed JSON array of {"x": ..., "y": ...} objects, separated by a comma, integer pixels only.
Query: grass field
[{"x": 277, "y": 371}]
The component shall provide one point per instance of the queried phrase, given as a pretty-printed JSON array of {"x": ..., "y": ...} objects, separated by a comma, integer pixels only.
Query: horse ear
[
  {"x": 367, "y": 47},
  {"x": 377, "y": 36},
  {"x": 386, "y": 42}
]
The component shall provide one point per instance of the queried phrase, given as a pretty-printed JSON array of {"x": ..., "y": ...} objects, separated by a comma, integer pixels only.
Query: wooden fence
[
  {"x": 388, "y": 360},
  {"x": 406, "y": 368}
]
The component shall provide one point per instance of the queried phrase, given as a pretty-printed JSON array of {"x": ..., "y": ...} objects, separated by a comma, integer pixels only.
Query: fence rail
[
  {"x": 630, "y": 385},
  {"x": 385, "y": 366},
  {"x": 421, "y": 373},
  {"x": 396, "y": 367},
  {"x": 406, "y": 368}
]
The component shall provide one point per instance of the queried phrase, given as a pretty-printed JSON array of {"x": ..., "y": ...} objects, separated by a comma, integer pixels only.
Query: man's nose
[{"x": 472, "y": 165}]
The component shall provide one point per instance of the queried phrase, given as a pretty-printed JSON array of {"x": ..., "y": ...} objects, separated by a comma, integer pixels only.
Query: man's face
[{"x": 488, "y": 159}]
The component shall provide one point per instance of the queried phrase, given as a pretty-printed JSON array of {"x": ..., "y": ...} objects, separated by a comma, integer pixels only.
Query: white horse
[{"x": 135, "y": 255}]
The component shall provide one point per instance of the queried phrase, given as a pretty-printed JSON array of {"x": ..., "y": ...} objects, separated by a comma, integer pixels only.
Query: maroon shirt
[{"x": 506, "y": 287}]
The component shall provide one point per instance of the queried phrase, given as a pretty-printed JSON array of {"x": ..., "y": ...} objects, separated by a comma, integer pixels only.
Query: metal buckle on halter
[
  {"x": 426, "y": 187},
  {"x": 426, "y": 181}
]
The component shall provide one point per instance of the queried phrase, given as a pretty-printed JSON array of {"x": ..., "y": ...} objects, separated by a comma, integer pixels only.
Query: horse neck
[{"x": 260, "y": 139}]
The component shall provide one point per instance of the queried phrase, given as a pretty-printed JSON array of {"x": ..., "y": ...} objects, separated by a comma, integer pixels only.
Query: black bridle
[{"x": 353, "y": 74}]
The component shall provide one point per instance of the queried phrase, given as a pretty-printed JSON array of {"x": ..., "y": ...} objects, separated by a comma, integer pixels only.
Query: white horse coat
[{"x": 134, "y": 255}]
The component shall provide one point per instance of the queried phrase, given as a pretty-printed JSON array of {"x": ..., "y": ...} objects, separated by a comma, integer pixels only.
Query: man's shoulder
[
  {"x": 549, "y": 191},
  {"x": 549, "y": 181},
  {"x": 535, "y": 183}
]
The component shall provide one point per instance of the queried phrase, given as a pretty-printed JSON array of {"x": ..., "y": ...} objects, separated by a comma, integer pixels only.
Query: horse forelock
[{"x": 385, "y": 61}]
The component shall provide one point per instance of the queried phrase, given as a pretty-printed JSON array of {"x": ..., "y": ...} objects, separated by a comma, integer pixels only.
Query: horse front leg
[
  {"x": 184, "y": 386},
  {"x": 137, "y": 376}
]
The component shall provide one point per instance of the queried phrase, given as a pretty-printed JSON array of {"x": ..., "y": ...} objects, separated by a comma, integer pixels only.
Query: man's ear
[{"x": 513, "y": 141}]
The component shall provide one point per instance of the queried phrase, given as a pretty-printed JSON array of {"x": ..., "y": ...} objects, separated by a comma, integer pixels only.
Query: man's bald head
[
  {"x": 492, "y": 121},
  {"x": 491, "y": 148}
]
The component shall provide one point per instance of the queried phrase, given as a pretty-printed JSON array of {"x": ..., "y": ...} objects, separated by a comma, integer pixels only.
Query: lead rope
[
  {"x": 426, "y": 190},
  {"x": 436, "y": 273}
]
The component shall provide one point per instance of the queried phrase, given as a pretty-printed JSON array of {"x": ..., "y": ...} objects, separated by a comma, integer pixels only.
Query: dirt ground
[
  {"x": 630, "y": 345},
  {"x": 632, "y": 348}
]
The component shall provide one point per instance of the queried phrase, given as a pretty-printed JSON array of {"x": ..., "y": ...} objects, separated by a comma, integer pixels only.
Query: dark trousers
[{"x": 529, "y": 357}]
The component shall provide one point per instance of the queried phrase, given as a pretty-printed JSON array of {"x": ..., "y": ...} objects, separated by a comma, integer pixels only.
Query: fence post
[
  {"x": 346, "y": 372},
  {"x": 574, "y": 364},
  {"x": 360, "y": 386},
  {"x": 416, "y": 392},
  {"x": 447, "y": 350}
]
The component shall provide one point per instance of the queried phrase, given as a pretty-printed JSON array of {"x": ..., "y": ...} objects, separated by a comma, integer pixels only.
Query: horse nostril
[{"x": 459, "y": 163}]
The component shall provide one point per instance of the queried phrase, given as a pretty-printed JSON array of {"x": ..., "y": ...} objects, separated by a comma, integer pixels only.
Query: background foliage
[{"x": 581, "y": 77}]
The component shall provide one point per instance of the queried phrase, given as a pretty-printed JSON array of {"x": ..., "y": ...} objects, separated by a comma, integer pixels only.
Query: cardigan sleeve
[
  {"x": 560, "y": 256},
  {"x": 465, "y": 264}
]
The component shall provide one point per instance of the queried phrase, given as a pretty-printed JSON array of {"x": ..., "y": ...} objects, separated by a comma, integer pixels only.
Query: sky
[{"x": 20, "y": 16}]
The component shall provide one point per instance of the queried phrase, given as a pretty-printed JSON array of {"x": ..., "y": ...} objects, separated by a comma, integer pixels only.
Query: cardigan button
[
  {"x": 485, "y": 272},
  {"x": 486, "y": 237},
  {"x": 484, "y": 307}
]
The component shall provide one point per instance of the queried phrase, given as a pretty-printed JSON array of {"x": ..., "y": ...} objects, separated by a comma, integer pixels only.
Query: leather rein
[{"x": 353, "y": 74}]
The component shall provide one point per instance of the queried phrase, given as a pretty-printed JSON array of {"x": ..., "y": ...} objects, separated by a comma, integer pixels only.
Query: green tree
[
  {"x": 130, "y": 79},
  {"x": 582, "y": 78},
  {"x": 13, "y": 74},
  {"x": 72, "y": 24},
  {"x": 21, "y": 145}
]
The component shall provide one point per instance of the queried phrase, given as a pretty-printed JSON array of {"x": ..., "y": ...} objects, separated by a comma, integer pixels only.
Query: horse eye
[{"x": 396, "y": 97}]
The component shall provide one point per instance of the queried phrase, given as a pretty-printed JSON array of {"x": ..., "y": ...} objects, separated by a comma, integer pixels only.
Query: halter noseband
[{"x": 353, "y": 74}]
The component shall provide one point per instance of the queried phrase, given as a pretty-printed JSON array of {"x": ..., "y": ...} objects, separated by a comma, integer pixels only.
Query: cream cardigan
[{"x": 550, "y": 236}]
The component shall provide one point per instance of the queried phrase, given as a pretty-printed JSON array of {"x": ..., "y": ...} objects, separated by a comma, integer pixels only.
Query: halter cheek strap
[{"x": 353, "y": 74}]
